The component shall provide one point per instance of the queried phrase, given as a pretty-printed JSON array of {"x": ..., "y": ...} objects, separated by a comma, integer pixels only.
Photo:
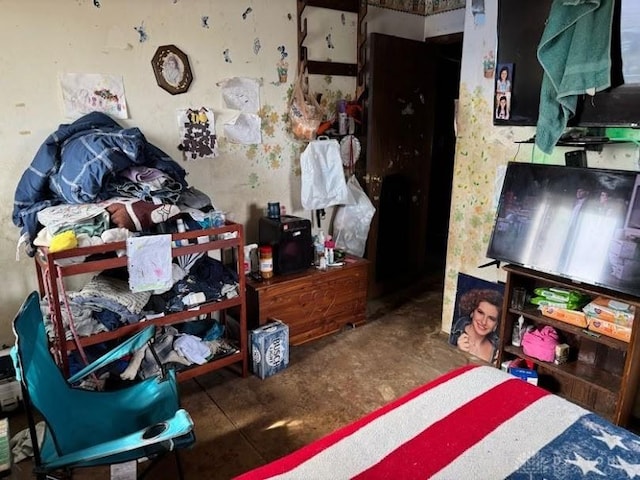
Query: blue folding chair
[{"x": 88, "y": 428}]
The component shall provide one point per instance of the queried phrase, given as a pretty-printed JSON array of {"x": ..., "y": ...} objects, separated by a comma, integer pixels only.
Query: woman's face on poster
[{"x": 484, "y": 318}]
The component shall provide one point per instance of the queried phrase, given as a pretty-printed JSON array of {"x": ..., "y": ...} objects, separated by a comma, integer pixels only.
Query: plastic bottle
[
  {"x": 320, "y": 259},
  {"x": 518, "y": 332},
  {"x": 329, "y": 245},
  {"x": 266, "y": 261},
  {"x": 247, "y": 257},
  {"x": 343, "y": 119}
]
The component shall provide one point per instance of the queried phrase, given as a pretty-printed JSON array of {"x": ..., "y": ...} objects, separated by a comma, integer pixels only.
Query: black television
[
  {"x": 520, "y": 27},
  {"x": 582, "y": 224}
]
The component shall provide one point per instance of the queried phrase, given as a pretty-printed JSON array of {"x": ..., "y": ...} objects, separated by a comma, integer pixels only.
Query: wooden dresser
[{"x": 312, "y": 303}]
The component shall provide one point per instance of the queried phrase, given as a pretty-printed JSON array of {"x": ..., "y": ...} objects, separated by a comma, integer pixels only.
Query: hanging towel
[{"x": 575, "y": 54}]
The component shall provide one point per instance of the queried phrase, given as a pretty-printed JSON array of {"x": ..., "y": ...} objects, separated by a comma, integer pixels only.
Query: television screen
[
  {"x": 517, "y": 50},
  {"x": 578, "y": 223}
]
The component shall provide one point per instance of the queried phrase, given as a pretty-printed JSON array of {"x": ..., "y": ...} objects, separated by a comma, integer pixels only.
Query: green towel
[{"x": 575, "y": 53}]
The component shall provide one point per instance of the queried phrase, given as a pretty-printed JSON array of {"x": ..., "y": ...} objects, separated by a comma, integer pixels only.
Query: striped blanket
[{"x": 476, "y": 422}]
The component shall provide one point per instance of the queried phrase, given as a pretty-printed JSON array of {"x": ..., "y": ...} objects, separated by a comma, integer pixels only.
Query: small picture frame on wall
[
  {"x": 503, "y": 89},
  {"x": 171, "y": 69}
]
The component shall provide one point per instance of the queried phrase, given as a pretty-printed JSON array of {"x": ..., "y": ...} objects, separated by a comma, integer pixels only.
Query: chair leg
[
  {"x": 65, "y": 474},
  {"x": 153, "y": 461},
  {"x": 179, "y": 464}
]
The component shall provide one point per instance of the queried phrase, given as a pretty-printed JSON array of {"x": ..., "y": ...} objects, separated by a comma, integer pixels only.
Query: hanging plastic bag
[
  {"x": 305, "y": 113},
  {"x": 323, "y": 183},
  {"x": 351, "y": 223}
]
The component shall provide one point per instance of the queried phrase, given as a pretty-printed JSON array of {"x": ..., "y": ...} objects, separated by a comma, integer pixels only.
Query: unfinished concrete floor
[{"x": 241, "y": 423}]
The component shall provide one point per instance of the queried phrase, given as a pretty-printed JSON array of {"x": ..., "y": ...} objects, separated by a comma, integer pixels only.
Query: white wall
[
  {"x": 444, "y": 23},
  {"x": 392, "y": 22},
  {"x": 413, "y": 27}
]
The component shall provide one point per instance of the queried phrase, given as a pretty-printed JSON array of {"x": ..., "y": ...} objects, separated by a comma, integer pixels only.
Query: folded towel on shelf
[{"x": 575, "y": 54}]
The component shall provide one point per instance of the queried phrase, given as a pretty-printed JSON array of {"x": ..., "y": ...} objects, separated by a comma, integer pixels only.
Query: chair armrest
[
  {"x": 180, "y": 424},
  {"x": 134, "y": 343}
]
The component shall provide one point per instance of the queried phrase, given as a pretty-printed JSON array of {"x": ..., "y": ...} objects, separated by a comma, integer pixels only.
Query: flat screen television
[
  {"x": 520, "y": 27},
  {"x": 579, "y": 223}
]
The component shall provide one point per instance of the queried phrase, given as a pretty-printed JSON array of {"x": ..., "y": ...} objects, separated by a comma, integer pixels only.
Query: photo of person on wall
[
  {"x": 504, "y": 87},
  {"x": 478, "y": 309},
  {"x": 502, "y": 112}
]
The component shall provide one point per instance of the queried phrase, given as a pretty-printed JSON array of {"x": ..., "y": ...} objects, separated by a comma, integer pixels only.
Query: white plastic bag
[
  {"x": 351, "y": 223},
  {"x": 323, "y": 183}
]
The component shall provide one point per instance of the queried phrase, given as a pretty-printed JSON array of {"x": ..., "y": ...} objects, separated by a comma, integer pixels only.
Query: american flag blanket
[{"x": 476, "y": 422}]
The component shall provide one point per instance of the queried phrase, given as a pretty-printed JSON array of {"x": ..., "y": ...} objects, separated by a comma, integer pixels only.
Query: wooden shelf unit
[
  {"x": 602, "y": 374},
  {"x": 51, "y": 272},
  {"x": 317, "y": 67}
]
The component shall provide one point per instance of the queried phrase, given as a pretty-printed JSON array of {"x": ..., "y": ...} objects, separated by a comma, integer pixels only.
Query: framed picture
[
  {"x": 172, "y": 70},
  {"x": 504, "y": 87},
  {"x": 476, "y": 319}
]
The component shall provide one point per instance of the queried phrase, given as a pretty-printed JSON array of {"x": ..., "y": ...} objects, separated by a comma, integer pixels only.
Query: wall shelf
[{"x": 317, "y": 67}]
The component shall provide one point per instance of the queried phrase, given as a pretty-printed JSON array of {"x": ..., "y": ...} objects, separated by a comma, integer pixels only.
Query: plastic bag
[
  {"x": 351, "y": 223},
  {"x": 305, "y": 113},
  {"x": 323, "y": 183}
]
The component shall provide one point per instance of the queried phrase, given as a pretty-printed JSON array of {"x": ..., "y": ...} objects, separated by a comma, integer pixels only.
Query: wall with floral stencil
[{"x": 482, "y": 152}]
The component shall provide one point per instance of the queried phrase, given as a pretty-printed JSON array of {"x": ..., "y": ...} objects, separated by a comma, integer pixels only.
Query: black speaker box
[{"x": 290, "y": 239}]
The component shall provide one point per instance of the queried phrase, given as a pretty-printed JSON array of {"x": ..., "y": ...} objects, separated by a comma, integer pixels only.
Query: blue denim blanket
[{"x": 76, "y": 163}]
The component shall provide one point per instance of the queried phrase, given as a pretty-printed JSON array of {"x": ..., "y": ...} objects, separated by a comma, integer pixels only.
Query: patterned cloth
[
  {"x": 472, "y": 423},
  {"x": 75, "y": 162},
  {"x": 103, "y": 292}
]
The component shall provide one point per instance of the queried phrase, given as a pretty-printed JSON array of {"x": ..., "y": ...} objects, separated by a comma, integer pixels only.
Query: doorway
[{"x": 410, "y": 155}]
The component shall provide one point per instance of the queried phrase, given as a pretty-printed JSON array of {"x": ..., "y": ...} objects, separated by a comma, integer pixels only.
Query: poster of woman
[{"x": 477, "y": 314}]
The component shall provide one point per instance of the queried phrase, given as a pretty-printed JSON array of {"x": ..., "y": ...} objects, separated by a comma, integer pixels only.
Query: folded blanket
[{"x": 575, "y": 54}]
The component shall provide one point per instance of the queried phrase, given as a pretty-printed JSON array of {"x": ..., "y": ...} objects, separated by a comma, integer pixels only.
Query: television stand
[{"x": 602, "y": 374}]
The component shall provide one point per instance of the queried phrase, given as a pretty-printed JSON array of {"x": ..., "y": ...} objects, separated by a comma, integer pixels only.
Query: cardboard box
[
  {"x": 613, "y": 311},
  {"x": 270, "y": 349},
  {"x": 572, "y": 317},
  {"x": 610, "y": 329},
  {"x": 530, "y": 376}
]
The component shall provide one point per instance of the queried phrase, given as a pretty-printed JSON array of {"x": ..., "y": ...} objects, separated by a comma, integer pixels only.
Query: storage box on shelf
[
  {"x": 53, "y": 268},
  {"x": 601, "y": 374}
]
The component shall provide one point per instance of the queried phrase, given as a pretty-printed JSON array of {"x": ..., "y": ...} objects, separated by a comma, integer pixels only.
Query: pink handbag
[{"x": 541, "y": 343}]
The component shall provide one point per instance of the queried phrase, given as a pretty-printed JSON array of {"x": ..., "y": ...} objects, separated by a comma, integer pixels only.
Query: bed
[{"x": 476, "y": 422}]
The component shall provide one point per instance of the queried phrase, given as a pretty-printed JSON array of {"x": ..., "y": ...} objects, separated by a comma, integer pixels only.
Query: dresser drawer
[{"x": 314, "y": 303}]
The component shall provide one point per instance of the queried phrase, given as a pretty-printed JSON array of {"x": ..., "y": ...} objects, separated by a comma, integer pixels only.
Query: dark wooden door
[{"x": 400, "y": 119}]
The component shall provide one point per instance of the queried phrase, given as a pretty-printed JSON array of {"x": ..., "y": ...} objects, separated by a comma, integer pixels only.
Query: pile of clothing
[
  {"x": 105, "y": 172},
  {"x": 93, "y": 181}
]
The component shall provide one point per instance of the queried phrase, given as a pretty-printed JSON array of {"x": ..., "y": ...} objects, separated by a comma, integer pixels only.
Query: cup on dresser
[
  {"x": 273, "y": 210},
  {"x": 518, "y": 298}
]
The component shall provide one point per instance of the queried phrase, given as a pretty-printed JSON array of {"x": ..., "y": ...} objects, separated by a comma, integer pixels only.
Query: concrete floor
[{"x": 242, "y": 423}]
